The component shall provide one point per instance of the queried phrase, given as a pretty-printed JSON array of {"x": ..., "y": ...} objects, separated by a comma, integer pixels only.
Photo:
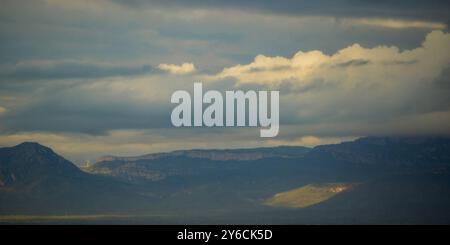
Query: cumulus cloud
[
  {"x": 184, "y": 68},
  {"x": 369, "y": 88},
  {"x": 348, "y": 67}
]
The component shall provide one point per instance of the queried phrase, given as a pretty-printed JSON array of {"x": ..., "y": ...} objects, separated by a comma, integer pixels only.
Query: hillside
[
  {"x": 369, "y": 180},
  {"x": 307, "y": 195},
  {"x": 36, "y": 180}
]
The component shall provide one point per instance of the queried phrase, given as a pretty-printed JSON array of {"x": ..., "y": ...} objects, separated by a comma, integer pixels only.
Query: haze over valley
[{"x": 366, "y": 181}]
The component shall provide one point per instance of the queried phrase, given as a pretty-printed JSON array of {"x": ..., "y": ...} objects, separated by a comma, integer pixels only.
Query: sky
[{"x": 94, "y": 78}]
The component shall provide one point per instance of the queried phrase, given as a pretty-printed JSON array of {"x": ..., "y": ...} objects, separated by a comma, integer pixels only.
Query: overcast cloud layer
[{"x": 91, "y": 78}]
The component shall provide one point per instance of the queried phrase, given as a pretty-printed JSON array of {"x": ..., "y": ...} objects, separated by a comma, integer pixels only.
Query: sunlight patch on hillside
[{"x": 307, "y": 195}]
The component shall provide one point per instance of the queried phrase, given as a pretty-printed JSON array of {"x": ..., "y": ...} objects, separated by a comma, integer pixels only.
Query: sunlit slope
[{"x": 307, "y": 195}]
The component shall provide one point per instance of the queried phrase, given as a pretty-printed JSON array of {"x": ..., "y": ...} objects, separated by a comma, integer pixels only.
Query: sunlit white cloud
[
  {"x": 348, "y": 67},
  {"x": 358, "y": 90},
  {"x": 184, "y": 68}
]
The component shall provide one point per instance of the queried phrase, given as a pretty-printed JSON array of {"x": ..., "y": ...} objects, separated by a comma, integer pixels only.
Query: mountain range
[{"x": 371, "y": 180}]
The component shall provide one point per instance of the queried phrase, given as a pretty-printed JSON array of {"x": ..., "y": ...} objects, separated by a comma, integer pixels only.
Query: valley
[{"x": 366, "y": 181}]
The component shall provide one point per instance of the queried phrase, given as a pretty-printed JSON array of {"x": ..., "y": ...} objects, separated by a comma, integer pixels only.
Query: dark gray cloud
[
  {"x": 437, "y": 10},
  {"x": 51, "y": 82},
  {"x": 67, "y": 70},
  {"x": 175, "y": 32},
  {"x": 358, "y": 62},
  {"x": 75, "y": 111}
]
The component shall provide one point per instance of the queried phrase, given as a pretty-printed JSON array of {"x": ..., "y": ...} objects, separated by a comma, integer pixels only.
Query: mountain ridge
[
  {"x": 234, "y": 183},
  {"x": 29, "y": 161},
  {"x": 227, "y": 154},
  {"x": 35, "y": 179}
]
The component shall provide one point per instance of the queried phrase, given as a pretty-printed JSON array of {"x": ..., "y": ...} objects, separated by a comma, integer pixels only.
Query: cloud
[
  {"x": 95, "y": 106},
  {"x": 198, "y": 31},
  {"x": 393, "y": 23},
  {"x": 357, "y": 90},
  {"x": 406, "y": 9},
  {"x": 310, "y": 140},
  {"x": 182, "y": 69},
  {"x": 83, "y": 76},
  {"x": 348, "y": 67},
  {"x": 68, "y": 69}
]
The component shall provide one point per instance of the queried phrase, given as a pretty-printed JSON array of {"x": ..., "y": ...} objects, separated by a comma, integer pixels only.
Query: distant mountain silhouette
[
  {"x": 381, "y": 151},
  {"x": 222, "y": 154},
  {"x": 407, "y": 178},
  {"x": 365, "y": 154},
  {"x": 30, "y": 162},
  {"x": 34, "y": 179},
  {"x": 158, "y": 166}
]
